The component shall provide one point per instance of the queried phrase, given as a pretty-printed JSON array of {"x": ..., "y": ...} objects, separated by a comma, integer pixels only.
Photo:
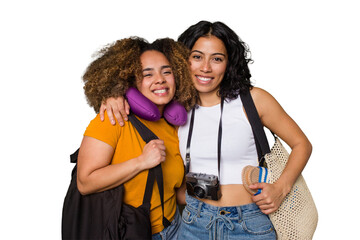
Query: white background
[{"x": 306, "y": 54}]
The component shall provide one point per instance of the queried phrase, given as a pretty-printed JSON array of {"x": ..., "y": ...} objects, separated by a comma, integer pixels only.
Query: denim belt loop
[
  {"x": 240, "y": 213},
  {"x": 199, "y": 208}
]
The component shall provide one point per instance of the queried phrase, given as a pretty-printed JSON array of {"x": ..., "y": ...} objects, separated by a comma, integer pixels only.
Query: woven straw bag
[{"x": 297, "y": 217}]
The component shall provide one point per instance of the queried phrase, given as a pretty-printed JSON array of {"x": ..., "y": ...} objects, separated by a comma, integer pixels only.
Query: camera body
[{"x": 202, "y": 185}]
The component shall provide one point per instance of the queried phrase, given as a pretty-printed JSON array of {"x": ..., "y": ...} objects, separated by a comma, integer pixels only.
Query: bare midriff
[{"x": 232, "y": 195}]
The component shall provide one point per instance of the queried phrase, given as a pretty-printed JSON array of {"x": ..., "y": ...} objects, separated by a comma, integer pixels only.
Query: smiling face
[
  {"x": 208, "y": 60},
  {"x": 158, "y": 83}
]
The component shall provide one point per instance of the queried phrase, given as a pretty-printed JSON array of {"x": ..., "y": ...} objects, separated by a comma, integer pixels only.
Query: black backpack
[{"x": 104, "y": 215}]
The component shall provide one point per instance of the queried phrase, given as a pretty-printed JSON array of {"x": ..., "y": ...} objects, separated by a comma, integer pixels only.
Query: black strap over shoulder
[
  {"x": 187, "y": 160},
  {"x": 220, "y": 135},
  {"x": 262, "y": 144},
  {"x": 147, "y": 135}
]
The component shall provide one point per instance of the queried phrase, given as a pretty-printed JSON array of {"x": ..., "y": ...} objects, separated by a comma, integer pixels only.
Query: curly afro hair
[{"x": 118, "y": 67}]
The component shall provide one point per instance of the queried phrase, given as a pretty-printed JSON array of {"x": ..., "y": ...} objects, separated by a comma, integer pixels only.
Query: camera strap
[{"x": 188, "y": 159}]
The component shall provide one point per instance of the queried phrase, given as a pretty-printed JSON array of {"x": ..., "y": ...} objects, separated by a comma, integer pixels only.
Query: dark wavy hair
[
  {"x": 118, "y": 67},
  {"x": 237, "y": 75}
]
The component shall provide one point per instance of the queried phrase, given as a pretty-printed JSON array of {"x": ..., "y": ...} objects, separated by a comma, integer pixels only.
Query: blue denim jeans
[
  {"x": 204, "y": 221},
  {"x": 169, "y": 233}
]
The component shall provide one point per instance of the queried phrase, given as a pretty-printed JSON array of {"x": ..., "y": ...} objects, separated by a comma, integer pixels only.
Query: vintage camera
[{"x": 203, "y": 185}]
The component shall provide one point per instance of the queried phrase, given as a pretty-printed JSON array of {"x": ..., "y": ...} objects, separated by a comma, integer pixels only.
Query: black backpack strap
[
  {"x": 149, "y": 186},
  {"x": 147, "y": 135},
  {"x": 262, "y": 144},
  {"x": 160, "y": 182}
]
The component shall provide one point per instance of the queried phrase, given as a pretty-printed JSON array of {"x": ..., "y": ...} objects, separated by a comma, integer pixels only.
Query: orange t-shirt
[{"x": 128, "y": 144}]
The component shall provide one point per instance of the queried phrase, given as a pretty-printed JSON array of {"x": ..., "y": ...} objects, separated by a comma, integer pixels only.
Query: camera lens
[{"x": 199, "y": 192}]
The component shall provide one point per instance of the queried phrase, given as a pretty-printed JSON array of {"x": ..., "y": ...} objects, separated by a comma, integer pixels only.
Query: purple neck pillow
[{"x": 174, "y": 112}]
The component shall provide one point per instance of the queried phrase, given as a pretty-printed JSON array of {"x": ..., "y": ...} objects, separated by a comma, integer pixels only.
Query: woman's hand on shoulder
[{"x": 117, "y": 107}]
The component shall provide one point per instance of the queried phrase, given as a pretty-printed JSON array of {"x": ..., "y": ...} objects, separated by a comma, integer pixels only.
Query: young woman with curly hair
[
  {"x": 159, "y": 71},
  {"x": 219, "y": 70}
]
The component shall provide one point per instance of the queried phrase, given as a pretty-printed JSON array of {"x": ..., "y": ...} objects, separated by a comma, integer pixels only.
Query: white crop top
[{"x": 237, "y": 148}]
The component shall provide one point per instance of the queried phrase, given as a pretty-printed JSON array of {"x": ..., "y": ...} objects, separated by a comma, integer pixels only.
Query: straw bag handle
[{"x": 262, "y": 144}]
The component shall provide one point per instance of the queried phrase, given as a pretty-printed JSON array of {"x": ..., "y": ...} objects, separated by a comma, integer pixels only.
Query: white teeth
[
  {"x": 160, "y": 91},
  {"x": 203, "y": 78}
]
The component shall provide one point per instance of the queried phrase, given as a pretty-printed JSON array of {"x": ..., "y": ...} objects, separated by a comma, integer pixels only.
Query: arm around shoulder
[{"x": 115, "y": 107}]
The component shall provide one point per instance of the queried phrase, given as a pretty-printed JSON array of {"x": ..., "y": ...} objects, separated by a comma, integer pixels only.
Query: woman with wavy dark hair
[
  {"x": 219, "y": 69},
  {"x": 237, "y": 75}
]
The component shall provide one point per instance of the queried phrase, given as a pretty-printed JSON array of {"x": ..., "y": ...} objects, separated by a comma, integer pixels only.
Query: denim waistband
[{"x": 233, "y": 211}]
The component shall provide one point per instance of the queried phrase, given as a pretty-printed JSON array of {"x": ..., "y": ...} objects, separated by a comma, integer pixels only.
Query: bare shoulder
[
  {"x": 263, "y": 100},
  {"x": 260, "y": 94}
]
